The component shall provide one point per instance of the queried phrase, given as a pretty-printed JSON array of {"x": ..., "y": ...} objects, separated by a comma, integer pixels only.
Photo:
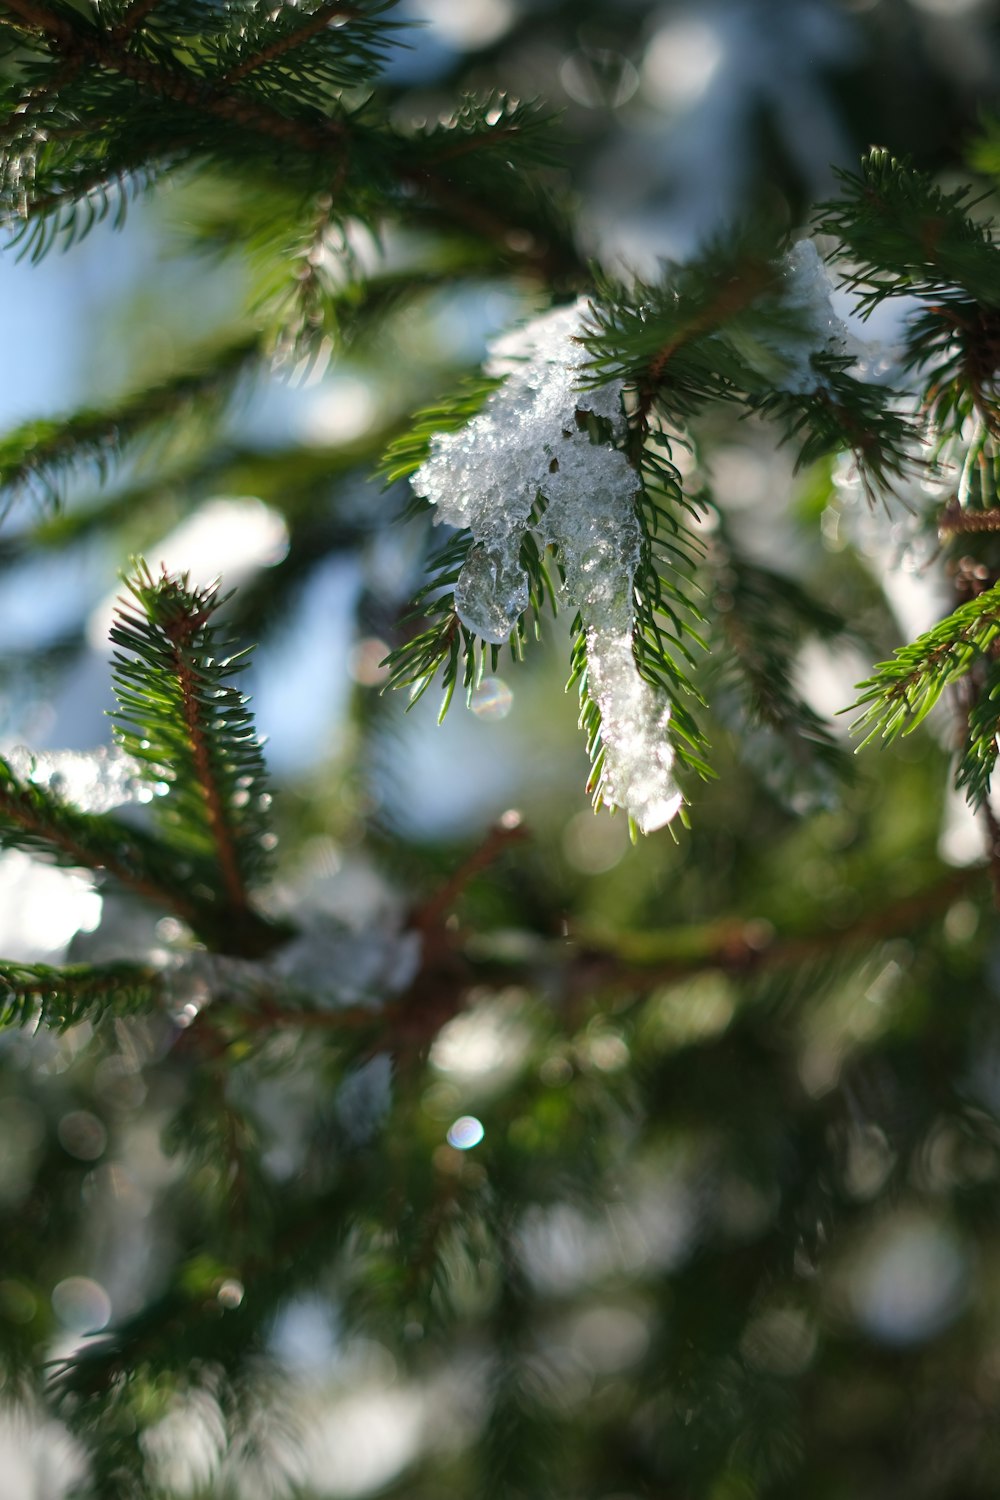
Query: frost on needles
[{"x": 532, "y": 440}]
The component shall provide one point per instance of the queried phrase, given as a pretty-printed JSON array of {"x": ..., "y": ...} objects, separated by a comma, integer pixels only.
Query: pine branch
[
  {"x": 76, "y": 39},
  {"x": 269, "y": 98},
  {"x": 39, "y": 995},
  {"x": 663, "y": 340},
  {"x": 36, "y": 456},
  {"x": 444, "y": 640},
  {"x": 907, "y": 236},
  {"x": 707, "y": 333},
  {"x": 180, "y": 717},
  {"x": 409, "y": 450},
  {"x": 762, "y": 619},
  {"x": 132, "y": 19},
  {"x": 846, "y": 414},
  {"x": 33, "y": 820},
  {"x": 68, "y": 212},
  {"x": 668, "y": 620},
  {"x": 298, "y": 33},
  {"x": 905, "y": 689},
  {"x": 744, "y": 948}
]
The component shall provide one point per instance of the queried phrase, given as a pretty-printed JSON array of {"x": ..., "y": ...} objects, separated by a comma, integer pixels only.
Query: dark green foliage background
[{"x": 732, "y": 1230}]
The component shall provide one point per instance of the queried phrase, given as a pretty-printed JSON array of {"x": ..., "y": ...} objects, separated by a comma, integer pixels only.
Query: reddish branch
[
  {"x": 955, "y": 520},
  {"x": 407, "y": 1025},
  {"x": 738, "y": 293},
  {"x": 508, "y": 831},
  {"x": 179, "y": 632},
  {"x": 214, "y": 96},
  {"x": 318, "y": 21},
  {"x": 133, "y": 18},
  {"x": 13, "y": 810}
]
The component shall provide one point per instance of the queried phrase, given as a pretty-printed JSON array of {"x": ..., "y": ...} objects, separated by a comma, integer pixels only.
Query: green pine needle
[
  {"x": 40, "y": 995},
  {"x": 191, "y": 729}
]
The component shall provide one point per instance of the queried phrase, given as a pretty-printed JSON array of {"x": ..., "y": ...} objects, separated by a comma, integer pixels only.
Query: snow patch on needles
[
  {"x": 528, "y": 441},
  {"x": 800, "y": 322},
  {"x": 93, "y": 781}
]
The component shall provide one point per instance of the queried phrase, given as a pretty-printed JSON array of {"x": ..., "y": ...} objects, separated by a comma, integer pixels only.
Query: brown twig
[
  {"x": 12, "y": 810},
  {"x": 179, "y": 632},
  {"x": 738, "y": 293},
  {"x": 320, "y": 18},
  {"x": 133, "y": 18},
  {"x": 955, "y": 520},
  {"x": 507, "y": 831},
  {"x": 751, "y": 947}
]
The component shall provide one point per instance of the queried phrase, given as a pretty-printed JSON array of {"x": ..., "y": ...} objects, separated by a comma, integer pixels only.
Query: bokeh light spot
[
  {"x": 465, "y": 1133},
  {"x": 81, "y": 1305},
  {"x": 82, "y": 1135},
  {"x": 492, "y": 699}
]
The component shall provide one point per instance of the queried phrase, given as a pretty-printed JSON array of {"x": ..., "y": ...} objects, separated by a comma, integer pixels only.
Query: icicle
[{"x": 527, "y": 442}]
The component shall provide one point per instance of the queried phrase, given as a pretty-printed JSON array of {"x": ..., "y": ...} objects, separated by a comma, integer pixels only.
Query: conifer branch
[
  {"x": 321, "y": 17},
  {"x": 181, "y": 636},
  {"x": 294, "y": 121},
  {"x": 507, "y": 831},
  {"x": 955, "y": 521},
  {"x": 904, "y": 689},
  {"x": 40, "y": 995},
  {"x": 762, "y": 618},
  {"x": 907, "y": 236},
  {"x": 181, "y": 718},
  {"x": 35, "y": 455},
  {"x": 179, "y": 86},
  {"x": 744, "y": 948},
  {"x": 39, "y": 18},
  {"x": 133, "y": 18},
  {"x": 35, "y": 821},
  {"x": 740, "y": 290}
]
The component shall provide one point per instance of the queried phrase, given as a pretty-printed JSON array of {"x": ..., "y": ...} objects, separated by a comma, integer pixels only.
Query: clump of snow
[
  {"x": 92, "y": 781},
  {"x": 798, "y": 322},
  {"x": 327, "y": 964},
  {"x": 806, "y": 291},
  {"x": 531, "y": 440},
  {"x": 801, "y": 318}
]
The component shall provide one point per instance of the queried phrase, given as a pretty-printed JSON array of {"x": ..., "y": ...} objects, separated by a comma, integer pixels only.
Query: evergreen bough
[{"x": 102, "y": 104}]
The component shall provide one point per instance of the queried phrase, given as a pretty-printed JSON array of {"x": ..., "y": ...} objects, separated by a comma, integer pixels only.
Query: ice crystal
[{"x": 532, "y": 440}]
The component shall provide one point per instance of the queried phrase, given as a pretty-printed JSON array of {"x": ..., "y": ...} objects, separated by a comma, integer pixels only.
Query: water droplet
[{"x": 492, "y": 699}]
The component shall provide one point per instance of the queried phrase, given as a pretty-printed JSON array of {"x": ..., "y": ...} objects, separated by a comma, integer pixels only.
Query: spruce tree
[{"x": 342, "y": 1158}]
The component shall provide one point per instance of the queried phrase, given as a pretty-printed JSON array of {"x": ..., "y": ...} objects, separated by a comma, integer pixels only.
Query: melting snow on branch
[
  {"x": 488, "y": 476},
  {"x": 782, "y": 350},
  {"x": 92, "y": 781}
]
